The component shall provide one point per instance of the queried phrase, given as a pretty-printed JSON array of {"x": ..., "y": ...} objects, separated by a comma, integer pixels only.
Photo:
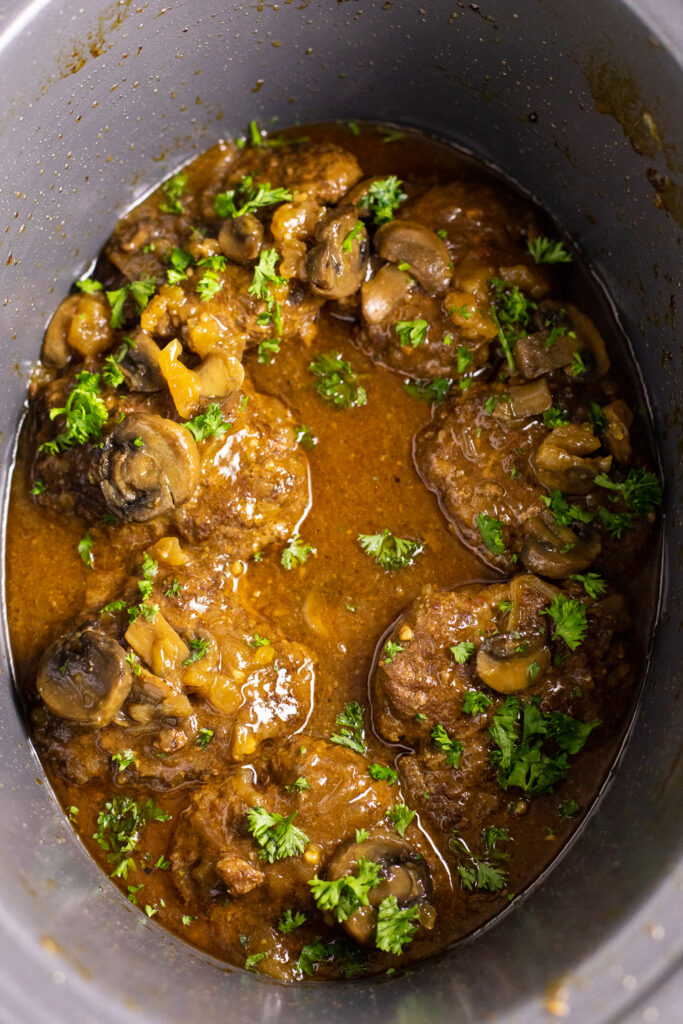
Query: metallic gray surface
[{"x": 511, "y": 82}]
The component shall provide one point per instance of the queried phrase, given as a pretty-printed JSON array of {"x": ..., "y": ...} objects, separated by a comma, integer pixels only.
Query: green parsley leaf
[
  {"x": 111, "y": 374},
  {"x": 554, "y": 417},
  {"x": 491, "y": 531},
  {"x": 290, "y": 921},
  {"x": 85, "y": 414},
  {"x": 113, "y": 606},
  {"x": 544, "y": 250},
  {"x": 382, "y": 772},
  {"x": 208, "y": 285},
  {"x": 494, "y": 835},
  {"x": 173, "y": 189},
  {"x": 400, "y": 816},
  {"x": 411, "y": 332},
  {"x": 300, "y": 786},
  {"x": 578, "y": 365},
  {"x": 276, "y": 835},
  {"x": 343, "y": 896},
  {"x": 568, "y": 808},
  {"x": 383, "y": 199},
  {"x": 475, "y": 872},
  {"x": 253, "y": 959},
  {"x": 463, "y": 651},
  {"x": 85, "y": 546},
  {"x": 174, "y": 589},
  {"x": 352, "y": 733},
  {"x": 337, "y": 381},
  {"x": 38, "y": 488},
  {"x": 198, "y": 645},
  {"x": 641, "y": 491},
  {"x": 593, "y": 584},
  {"x": 391, "y": 649},
  {"x": 361, "y": 835},
  {"x": 616, "y": 523},
  {"x": 297, "y": 552},
  {"x": 306, "y": 438},
  {"x": 204, "y": 737},
  {"x": 569, "y": 616},
  {"x": 87, "y": 285},
  {"x": 451, "y": 748},
  {"x": 430, "y": 390},
  {"x": 124, "y": 759},
  {"x": 119, "y": 827},
  {"x": 248, "y": 197},
  {"x": 258, "y": 641},
  {"x": 267, "y": 348},
  {"x": 353, "y": 234},
  {"x": 396, "y": 927},
  {"x": 564, "y": 513},
  {"x": 597, "y": 418},
  {"x": 188, "y": 919},
  {"x": 266, "y": 275},
  {"x": 476, "y": 701},
  {"x": 511, "y": 313},
  {"x": 390, "y": 552},
  {"x": 211, "y": 423},
  {"x": 311, "y": 955}
]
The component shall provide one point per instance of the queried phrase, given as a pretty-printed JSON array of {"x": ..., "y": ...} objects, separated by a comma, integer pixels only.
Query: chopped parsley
[
  {"x": 463, "y": 651},
  {"x": 187, "y": 919},
  {"x": 564, "y": 513},
  {"x": 198, "y": 645},
  {"x": 390, "y": 552},
  {"x": 521, "y": 734},
  {"x": 511, "y": 312},
  {"x": 267, "y": 348},
  {"x": 491, "y": 530},
  {"x": 248, "y": 197},
  {"x": 290, "y": 921},
  {"x": 174, "y": 589},
  {"x": 124, "y": 759},
  {"x": 265, "y": 275},
  {"x": 253, "y": 959},
  {"x": 544, "y": 250},
  {"x": 569, "y": 616},
  {"x": 476, "y": 701},
  {"x": 493, "y": 401},
  {"x": 400, "y": 816},
  {"x": 430, "y": 390},
  {"x": 204, "y": 737},
  {"x": 451, "y": 748},
  {"x": 352, "y": 731},
  {"x": 337, "y": 381},
  {"x": 300, "y": 786},
  {"x": 85, "y": 414},
  {"x": 361, "y": 835},
  {"x": 208, "y": 285},
  {"x": 211, "y": 423},
  {"x": 554, "y": 417},
  {"x": 578, "y": 365},
  {"x": 296, "y": 552},
  {"x": 353, "y": 234},
  {"x": 180, "y": 260},
  {"x": 411, "y": 332},
  {"x": 343, "y": 896},
  {"x": 114, "y": 606},
  {"x": 382, "y": 773},
  {"x": 142, "y": 291},
  {"x": 38, "y": 488},
  {"x": 396, "y": 926},
  {"x": 616, "y": 523},
  {"x": 391, "y": 649},
  {"x": 85, "y": 546},
  {"x": 641, "y": 491},
  {"x": 306, "y": 438},
  {"x": 87, "y": 285},
  {"x": 568, "y": 808},
  {"x": 276, "y": 835},
  {"x": 119, "y": 826},
  {"x": 476, "y": 872},
  {"x": 111, "y": 373},
  {"x": 383, "y": 199},
  {"x": 173, "y": 189},
  {"x": 593, "y": 584}
]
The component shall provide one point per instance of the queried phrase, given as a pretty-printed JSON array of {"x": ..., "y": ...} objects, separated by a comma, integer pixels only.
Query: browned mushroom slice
[
  {"x": 550, "y": 549},
  {"x": 84, "y": 677},
  {"x": 509, "y": 662},
  {"x": 562, "y": 461},
  {"x": 336, "y": 265},
  {"x": 148, "y": 465},
  {"x": 140, "y": 364},
  {"x": 241, "y": 238},
  {"x": 404, "y": 874},
  {"x": 384, "y": 293},
  {"x": 406, "y": 241},
  {"x": 617, "y": 435},
  {"x": 562, "y": 332}
]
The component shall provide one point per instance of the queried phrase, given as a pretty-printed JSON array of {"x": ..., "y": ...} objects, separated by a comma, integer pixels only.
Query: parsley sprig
[
  {"x": 119, "y": 828},
  {"x": 447, "y": 745},
  {"x": 337, "y": 382},
  {"x": 390, "y": 552},
  {"x": 248, "y": 197},
  {"x": 569, "y": 616},
  {"x": 297, "y": 552},
  {"x": 343, "y": 896},
  {"x": 478, "y": 872},
  {"x": 275, "y": 834},
  {"x": 383, "y": 199},
  {"x": 211, "y": 423},
  {"x": 84, "y": 413},
  {"x": 396, "y": 926},
  {"x": 352, "y": 731},
  {"x": 641, "y": 491},
  {"x": 545, "y": 250}
]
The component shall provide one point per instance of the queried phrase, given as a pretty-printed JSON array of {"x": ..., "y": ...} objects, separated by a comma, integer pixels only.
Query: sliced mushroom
[
  {"x": 528, "y": 594},
  {"x": 404, "y": 874},
  {"x": 241, "y": 238},
  {"x": 509, "y": 662},
  {"x": 140, "y": 364},
  {"x": 550, "y": 347},
  {"x": 156, "y": 699},
  {"x": 147, "y": 466},
  {"x": 406, "y": 241},
  {"x": 617, "y": 436},
  {"x": 562, "y": 460},
  {"x": 336, "y": 265},
  {"x": 550, "y": 549},
  {"x": 84, "y": 677},
  {"x": 529, "y": 399},
  {"x": 80, "y": 323},
  {"x": 384, "y": 293}
]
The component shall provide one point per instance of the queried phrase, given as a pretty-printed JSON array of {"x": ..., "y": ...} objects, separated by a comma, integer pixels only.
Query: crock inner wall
[{"x": 103, "y": 101}]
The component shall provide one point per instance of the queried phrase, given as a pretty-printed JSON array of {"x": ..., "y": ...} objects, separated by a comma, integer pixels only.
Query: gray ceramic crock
[{"x": 580, "y": 102}]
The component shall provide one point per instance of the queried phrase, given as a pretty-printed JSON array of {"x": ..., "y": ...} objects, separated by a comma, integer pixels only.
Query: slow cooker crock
[{"x": 580, "y": 103}]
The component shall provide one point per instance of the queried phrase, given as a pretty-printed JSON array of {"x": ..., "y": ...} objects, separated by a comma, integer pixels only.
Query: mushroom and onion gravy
[{"x": 331, "y": 550}]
